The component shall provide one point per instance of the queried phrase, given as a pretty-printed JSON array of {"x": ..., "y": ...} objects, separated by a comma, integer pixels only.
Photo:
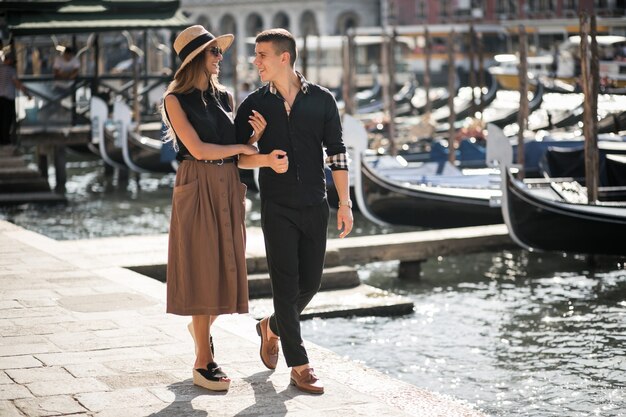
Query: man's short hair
[
  {"x": 282, "y": 40},
  {"x": 68, "y": 50}
]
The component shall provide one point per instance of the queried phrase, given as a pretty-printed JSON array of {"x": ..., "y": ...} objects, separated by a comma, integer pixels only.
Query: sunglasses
[{"x": 216, "y": 51}]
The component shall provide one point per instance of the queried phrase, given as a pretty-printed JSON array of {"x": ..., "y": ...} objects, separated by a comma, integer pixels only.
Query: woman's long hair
[{"x": 184, "y": 82}]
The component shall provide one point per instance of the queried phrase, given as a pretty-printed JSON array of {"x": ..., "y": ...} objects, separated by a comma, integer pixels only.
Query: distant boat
[
  {"x": 438, "y": 96},
  {"x": 463, "y": 101},
  {"x": 553, "y": 214},
  {"x": 102, "y": 138},
  {"x": 504, "y": 108},
  {"x": 506, "y": 69},
  {"x": 123, "y": 148},
  {"x": 140, "y": 153},
  {"x": 557, "y": 110},
  {"x": 403, "y": 98},
  {"x": 562, "y": 76},
  {"x": 569, "y": 161}
]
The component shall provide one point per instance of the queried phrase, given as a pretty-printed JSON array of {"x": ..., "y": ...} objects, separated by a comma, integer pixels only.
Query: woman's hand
[
  {"x": 249, "y": 150},
  {"x": 258, "y": 123}
]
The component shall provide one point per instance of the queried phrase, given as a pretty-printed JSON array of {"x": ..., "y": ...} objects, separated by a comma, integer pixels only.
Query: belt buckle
[{"x": 221, "y": 162}]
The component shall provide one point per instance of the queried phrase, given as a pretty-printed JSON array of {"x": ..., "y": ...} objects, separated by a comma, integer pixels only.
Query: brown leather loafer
[
  {"x": 307, "y": 381},
  {"x": 269, "y": 347}
]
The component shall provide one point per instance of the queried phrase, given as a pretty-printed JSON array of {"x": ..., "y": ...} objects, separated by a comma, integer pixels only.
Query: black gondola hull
[
  {"x": 424, "y": 206},
  {"x": 549, "y": 225}
]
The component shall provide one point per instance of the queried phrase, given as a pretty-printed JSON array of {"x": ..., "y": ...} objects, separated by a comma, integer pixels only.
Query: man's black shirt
[{"x": 312, "y": 125}]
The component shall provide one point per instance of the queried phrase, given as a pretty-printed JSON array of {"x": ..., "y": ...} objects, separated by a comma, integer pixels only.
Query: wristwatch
[{"x": 345, "y": 203}]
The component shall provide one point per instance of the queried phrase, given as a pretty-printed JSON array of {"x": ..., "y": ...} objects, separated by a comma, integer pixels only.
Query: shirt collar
[{"x": 304, "y": 85}]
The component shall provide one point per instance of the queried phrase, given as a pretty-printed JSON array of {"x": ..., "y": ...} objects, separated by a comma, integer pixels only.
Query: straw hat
[{"x": 193, "y": 40}]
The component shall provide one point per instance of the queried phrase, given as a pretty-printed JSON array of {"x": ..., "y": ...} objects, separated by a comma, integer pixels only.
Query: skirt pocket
[{"x": 185, "y": 203}]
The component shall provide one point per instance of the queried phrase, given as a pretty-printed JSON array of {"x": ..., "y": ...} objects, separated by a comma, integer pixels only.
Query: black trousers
[
  {"x": 7, "y": 118},
  {"x": 295, "y": 246}
]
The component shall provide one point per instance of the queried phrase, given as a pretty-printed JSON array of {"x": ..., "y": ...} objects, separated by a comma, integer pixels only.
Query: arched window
[
  {"x": 254, "y": 25},
  {"x": 345, "y": 21},
  {"x": 281, "y": 20},
  {"x": 308, "y": 23},
  {"x": 204, "y": 21},
  {"x": 228, "y": 25}
]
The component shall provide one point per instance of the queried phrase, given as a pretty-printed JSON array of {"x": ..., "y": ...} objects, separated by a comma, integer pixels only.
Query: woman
[{"x": 206, "y": 271}]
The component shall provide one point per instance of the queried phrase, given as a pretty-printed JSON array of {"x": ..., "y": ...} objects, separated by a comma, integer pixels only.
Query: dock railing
[{"x": 52, "y": 108}]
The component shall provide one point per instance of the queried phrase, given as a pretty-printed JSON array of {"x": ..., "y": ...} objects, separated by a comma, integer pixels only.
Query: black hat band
[{"x": 194, "y": 44}]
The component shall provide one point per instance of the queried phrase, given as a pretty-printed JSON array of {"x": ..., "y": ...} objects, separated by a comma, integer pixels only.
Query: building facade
[
  {"x": 413, "y": 12},
  {"x": 246, "y": 18}
]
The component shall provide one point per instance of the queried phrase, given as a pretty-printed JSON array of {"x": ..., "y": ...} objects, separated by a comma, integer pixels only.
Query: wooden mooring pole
[
  {"x": 481, "y": 73},
  {"x": 391, "y": 68},
  {"x": 522, "y": 115},
  {"x": 472, "y": 68},
  {"x": 451, "y": 95},
  {"x": 348, "y": 66},
  {"x": 428, "y": 51},
  {"x": 589, "y": 84}
]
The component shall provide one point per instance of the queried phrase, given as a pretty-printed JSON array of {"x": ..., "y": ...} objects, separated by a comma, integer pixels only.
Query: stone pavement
[{"x": 80, "y": 337}]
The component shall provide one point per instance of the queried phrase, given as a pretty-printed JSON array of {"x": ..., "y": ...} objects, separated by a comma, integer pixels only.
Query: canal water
[{"x": 511, "y": 332}]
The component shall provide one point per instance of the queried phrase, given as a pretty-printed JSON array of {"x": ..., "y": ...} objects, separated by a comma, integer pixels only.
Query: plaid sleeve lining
[{"x": 341, "y": 161}]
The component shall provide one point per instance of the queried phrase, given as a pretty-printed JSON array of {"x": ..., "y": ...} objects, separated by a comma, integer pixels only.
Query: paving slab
[{"x": 111, "y": 350}]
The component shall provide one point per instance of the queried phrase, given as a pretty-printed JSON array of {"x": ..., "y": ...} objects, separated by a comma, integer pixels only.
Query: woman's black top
[{"x": 211, "y": 118}]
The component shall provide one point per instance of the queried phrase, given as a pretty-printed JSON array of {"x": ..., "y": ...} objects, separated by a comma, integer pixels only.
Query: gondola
[
  {"x": 438, "y": 98},
  {"x": 553, "y": 214},
  {"x": 429, "y": 195},
  {"x": 121, "y": 147},
  {"x": 103, "y": 138},
  {"x": 140, "y": 153},
  {"x": 440, "y": 200},
  {"x": 557, "y": 110},
  {"x": 504, "y": 108},
  {"x": 403, "y": 99},
  {"x": 372, "y": 101},
  {"x": 463, "y": 101}
]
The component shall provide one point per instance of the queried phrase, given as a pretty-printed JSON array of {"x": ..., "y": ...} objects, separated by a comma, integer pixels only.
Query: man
[
  {"x": 302, "y": 119},
  {"x": 9, "y": 83},
  {"x": 65, "y": 68}
]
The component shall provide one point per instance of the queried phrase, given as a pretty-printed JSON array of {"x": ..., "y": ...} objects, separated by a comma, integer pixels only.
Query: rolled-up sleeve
[{"x": 337, "y": 156}]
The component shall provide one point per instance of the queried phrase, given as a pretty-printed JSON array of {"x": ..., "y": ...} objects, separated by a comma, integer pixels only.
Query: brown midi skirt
[{"x": 206, "y": 267}]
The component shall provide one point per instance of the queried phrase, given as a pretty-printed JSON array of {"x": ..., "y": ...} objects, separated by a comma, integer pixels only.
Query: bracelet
[{"x": 345, "y": 203}]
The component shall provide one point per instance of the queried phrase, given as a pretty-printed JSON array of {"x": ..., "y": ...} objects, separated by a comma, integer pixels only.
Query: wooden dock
[
  {"x": 52, "y": 139},
  {"x": 342, "y": 293},
  {"x": 20, "y": 182}
]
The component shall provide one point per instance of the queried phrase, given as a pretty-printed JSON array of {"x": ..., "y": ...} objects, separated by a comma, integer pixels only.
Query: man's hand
[
  {"x": 278, "y": 161},
  {"x": 345, "y": 220}
]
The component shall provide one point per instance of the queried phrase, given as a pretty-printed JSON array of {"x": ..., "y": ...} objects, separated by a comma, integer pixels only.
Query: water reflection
[{"x": 501, "y": 330}]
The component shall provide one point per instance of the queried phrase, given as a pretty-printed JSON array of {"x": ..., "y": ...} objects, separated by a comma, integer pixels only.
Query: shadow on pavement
[{"x": 266, "y": 400}]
